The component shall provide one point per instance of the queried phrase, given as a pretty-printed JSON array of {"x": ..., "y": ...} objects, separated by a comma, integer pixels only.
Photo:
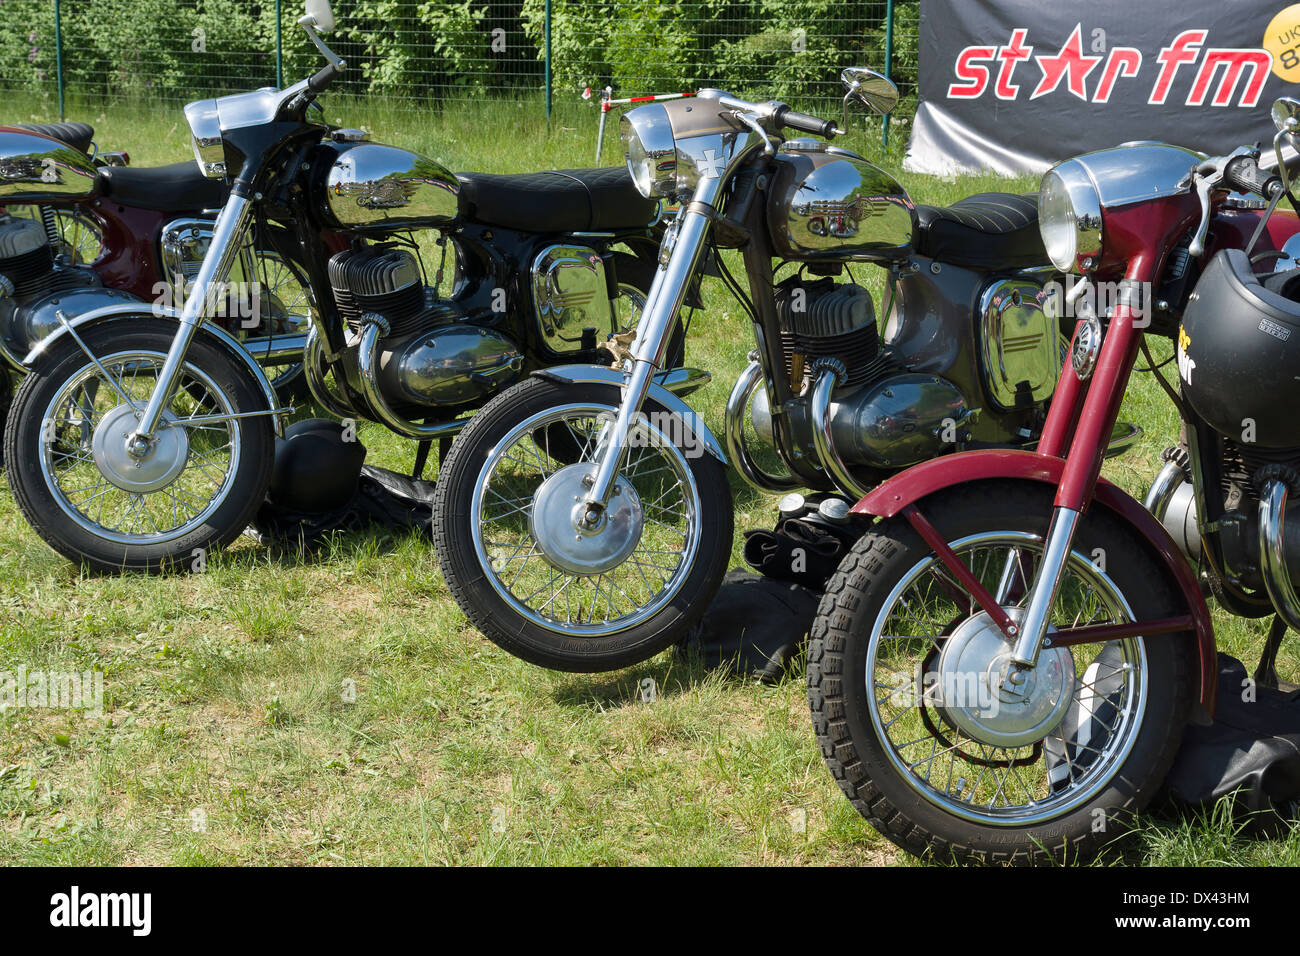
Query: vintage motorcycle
[
  {"x": 1002, "y": 669},
  {"x": 170, "y": 453},
  {"x": 80, "y": 230},
  {"x": 583, "y": 520}
]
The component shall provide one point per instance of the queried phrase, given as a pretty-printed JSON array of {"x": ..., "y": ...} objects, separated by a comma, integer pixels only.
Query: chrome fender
[
  {"x": 132, "y": 310},
  {"x": 685, "y": 379}
]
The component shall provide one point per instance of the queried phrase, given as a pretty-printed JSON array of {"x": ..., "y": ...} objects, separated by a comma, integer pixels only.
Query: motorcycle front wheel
[
  {"x": 193, "y": 491},
  {"x": 905, "y": 674},
  {"x": 544, "y": 589}
]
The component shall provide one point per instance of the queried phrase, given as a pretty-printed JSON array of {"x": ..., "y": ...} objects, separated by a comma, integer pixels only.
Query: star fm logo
[{"x": 980, "y": 67}]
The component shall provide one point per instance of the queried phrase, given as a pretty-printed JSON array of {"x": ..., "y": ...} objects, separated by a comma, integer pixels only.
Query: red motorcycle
[
  {"x": 1002, "y": 669},
  {"x": 80, "y": 230}
]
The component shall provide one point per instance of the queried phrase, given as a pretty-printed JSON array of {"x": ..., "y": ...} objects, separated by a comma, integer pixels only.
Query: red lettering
[
  {"x": 1184, "y": 49},
  {"x": 1234, "y": 63},
  {"x": 1124, "y": 61},
  {"x": 1010, "y": 55},
  {"x": 976, "y": 78}
]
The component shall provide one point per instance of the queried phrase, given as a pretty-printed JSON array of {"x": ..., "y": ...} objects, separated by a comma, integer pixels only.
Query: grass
[{"x": 283, "y": 708}]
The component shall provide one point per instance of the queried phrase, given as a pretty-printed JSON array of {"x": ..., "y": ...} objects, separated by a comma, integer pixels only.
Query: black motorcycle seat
[
  {"x": 76, "y": 135},
  {"x": 562, "y": 200},
  {"x": 179, "y": 187},
  {"x": 984, "y": 231}
]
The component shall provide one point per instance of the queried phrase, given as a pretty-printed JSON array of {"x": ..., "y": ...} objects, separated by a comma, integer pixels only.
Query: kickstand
[
  {"x": 421, "y": 458},
  {"x": 1266, "y": 672}
]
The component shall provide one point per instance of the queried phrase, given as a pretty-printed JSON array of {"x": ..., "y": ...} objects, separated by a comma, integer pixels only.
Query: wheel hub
[
  {"x": 139, "y": 470},
  {"x": 571, "y": 536},
  {"x": 970, "y": 685}
]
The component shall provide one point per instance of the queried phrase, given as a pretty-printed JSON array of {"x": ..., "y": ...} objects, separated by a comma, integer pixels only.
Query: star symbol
[
  {"x": 711, "y": 164},
  {"x": 1070, "y": 60}
]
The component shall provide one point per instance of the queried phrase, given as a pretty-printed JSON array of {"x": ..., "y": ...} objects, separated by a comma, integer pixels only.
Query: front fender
[
  {"x": 659, "y": 391},
  {"x": 126, "y": 312},
  {"x": 893, "y": 495}
]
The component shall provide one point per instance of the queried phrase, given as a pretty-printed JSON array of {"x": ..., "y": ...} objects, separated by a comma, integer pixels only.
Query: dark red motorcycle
[
  {"x": 1002, "y": 669},
  {"x": 80, "y": 230}
]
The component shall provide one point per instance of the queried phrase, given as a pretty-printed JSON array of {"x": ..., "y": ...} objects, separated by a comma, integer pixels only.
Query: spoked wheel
[
  {"x": 539, "y": 582},
  {"x": 284, "y": 308},
  {"x": 80, "y": 236},
  {"x": 905, "y": 680},
  {"x": 98, "y": 502}
]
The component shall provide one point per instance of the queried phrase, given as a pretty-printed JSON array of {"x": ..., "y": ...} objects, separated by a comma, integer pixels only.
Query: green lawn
[{"x": 230, "y": 734}]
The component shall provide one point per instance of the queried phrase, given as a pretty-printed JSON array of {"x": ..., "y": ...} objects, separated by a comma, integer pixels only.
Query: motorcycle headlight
[
  {"x": 650, "y": 150},
  {"x": 1069, "y": 217},
  {"x": 205, "y": 133}
]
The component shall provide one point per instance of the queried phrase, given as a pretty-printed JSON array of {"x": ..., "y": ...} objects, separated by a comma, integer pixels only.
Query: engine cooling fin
[
  {"x": 825, "y": 319},
  {"x": 380, "y": 279}
]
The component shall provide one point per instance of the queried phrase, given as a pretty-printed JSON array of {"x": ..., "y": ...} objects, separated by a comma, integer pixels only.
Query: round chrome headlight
[
  {"x": 1069, "y": 217},
  {"x": 651, "y": 152}
]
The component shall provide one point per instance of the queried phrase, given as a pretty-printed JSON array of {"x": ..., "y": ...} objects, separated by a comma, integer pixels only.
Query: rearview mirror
[
  {"x": 321, "y": 14},
  {"x": 871, "y": 89},
  {"x": 1286, "y": 114}
]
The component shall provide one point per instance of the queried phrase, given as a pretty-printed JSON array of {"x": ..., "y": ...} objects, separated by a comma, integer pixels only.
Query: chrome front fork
[
  {"x": 684, "y": 244},
  {"x": 227, "y": 237},
  {"x": 1042, "y": 595}
]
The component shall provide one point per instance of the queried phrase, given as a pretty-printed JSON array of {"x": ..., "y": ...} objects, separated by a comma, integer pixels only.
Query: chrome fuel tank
[
  {"x": 378, "y": 188},
  {"x": 831, "y": 204},
  {"x": 36, "y": 168}
]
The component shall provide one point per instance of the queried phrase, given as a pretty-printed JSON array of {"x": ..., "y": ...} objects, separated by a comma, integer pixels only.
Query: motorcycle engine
[
  {"x": 35, "y": 285},
  {"x": 1242, "y": 468},
  {"x": 882, "y": 415},
  {"x": 430, "y": 356}
]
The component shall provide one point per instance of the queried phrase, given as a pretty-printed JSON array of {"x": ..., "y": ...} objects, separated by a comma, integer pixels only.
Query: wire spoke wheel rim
[
  {"x": 512, "y": 560},
  {"x": 97, "y": 505},
  {"x": 990, "y": 785}
]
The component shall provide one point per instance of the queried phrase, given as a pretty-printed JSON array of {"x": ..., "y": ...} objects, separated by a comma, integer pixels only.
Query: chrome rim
[
  {"x": 97, "y": 505},
  {"x": 285, "y": 305},
  {"x": 614, "y": 599},
  {"x": 988, "y": 784},
  {"x": 627, "y": 307}
]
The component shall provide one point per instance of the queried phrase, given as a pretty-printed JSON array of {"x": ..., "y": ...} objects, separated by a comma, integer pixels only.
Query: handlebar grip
[
  {"x": 321, "y": 81},
  {"x": 1244, "y": 175},
  {"x": 807, "y": 123}
]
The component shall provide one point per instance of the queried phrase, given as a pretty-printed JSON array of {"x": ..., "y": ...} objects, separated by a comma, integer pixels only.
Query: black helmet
[{"x": 1239, "y": 352}]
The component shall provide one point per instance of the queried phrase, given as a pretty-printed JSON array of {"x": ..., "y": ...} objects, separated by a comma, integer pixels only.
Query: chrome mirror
[
  {"x": 321, "y": 15},
  {"x": 1286, "y": 118},
  {"x": 874, "y": 91}
]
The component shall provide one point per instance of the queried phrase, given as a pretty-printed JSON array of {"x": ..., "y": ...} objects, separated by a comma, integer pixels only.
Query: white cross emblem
[{"x": 711, "y": 164}]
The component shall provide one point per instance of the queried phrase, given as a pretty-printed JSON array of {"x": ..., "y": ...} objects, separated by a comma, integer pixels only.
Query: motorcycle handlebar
[
  {"x": 806, "y": 122},
  {"x": 322, "y": 80},
  {"x": 1244, "y": 175}
]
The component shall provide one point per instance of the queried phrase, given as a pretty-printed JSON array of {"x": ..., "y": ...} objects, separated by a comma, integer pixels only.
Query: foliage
[{"x": 420, "y": 49}]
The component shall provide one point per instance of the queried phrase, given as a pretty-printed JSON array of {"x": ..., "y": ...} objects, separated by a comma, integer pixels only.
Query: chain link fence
[{"x": 421, "y": 54}]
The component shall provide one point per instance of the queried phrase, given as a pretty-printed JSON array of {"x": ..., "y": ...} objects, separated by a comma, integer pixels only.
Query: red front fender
[{"x": 920, "y": 481}]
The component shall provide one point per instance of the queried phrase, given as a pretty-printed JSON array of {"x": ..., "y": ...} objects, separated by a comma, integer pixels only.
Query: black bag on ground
[
  {"x": 320, "y": 485},
  {"x": 754, "y": 627},
  {"x": 1253, "y": 748}
]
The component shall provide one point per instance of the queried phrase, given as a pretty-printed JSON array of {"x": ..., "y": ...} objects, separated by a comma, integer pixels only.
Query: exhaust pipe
[
  {"x": 737, "y": 402},
  {"x": 1272, "y": 552},
  {"x": 275, "y": 349}
]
